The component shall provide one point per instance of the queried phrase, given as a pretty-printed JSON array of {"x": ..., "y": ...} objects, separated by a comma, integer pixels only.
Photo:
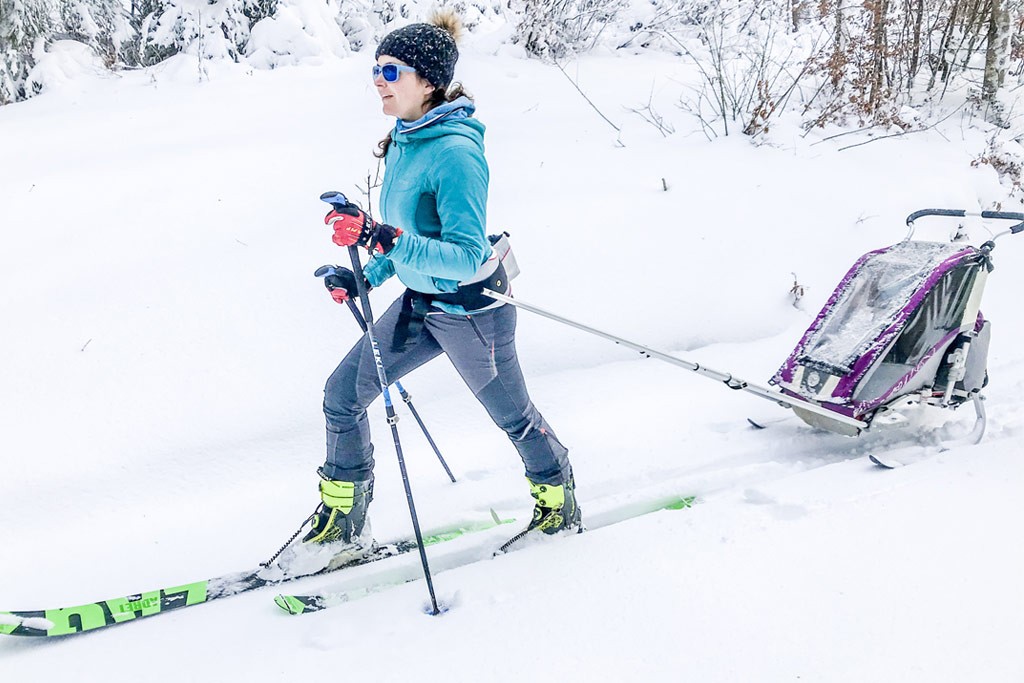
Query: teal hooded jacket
[{"x": 435, "y": 190}]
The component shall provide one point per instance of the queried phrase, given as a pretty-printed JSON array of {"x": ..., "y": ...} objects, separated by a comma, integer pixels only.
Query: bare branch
[{"x": 584, "y": 96}]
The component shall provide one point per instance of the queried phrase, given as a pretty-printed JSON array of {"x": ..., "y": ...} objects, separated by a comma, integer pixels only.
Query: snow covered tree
[
  {"x": 23, "y": 23},
  {"x": 101, "y": 24},
  {"x": 998, "y": 49},
  {"x": 214, "y": 29}
]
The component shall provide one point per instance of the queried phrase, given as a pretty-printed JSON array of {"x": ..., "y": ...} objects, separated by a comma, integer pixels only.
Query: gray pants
[{"x": 486, "y": 359}]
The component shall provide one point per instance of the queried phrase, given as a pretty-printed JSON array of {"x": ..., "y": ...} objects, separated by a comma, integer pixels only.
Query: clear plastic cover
[{"x": 872, "y": 300}]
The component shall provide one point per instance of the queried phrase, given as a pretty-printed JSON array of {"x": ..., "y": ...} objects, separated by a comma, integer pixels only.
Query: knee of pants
[
  {"x": 341, "y": 402},
  {"x": 346, "y": 398}
]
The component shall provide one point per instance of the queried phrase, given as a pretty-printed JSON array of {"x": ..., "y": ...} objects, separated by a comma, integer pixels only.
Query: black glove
[{"x": 340, "y": 282}]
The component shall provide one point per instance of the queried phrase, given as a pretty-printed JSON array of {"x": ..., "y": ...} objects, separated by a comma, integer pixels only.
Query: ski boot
[
  {"x": 554, "y": 512},
  {"x": 340, "y": 533},
  {"x": 341, "y": 516}
]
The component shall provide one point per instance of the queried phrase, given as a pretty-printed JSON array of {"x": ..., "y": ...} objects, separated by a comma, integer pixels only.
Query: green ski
[
  {"x": 315, "y": 602},
  {"x": 96, "y": 615}
]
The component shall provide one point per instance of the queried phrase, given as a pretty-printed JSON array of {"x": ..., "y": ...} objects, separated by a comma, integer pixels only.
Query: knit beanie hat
[{"x": 428, "y": 48}]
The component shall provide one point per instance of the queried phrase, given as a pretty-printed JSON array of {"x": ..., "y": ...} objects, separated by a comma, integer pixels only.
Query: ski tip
[
  {"x": 755, "y": 425},
  {"x": 32, "y": 624},
  {"x": 482, "y": 525},
  {"x": 682, "y": 503},
  {"x": 9, "y": 622},
  {"x": 291, "y": 604}
]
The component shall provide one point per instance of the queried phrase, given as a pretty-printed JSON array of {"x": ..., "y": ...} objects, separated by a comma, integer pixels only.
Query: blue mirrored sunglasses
[{"x": 390, "y": 72}]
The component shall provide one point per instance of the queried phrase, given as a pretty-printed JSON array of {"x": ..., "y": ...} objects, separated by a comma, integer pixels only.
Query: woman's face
[{"x": 407, "y": 97}]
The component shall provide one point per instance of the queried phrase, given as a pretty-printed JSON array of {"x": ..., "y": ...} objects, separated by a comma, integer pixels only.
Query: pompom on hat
[{"x": 427, "y": 47}]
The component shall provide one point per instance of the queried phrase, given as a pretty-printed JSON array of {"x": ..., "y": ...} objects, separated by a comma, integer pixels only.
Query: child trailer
[{"x": 903, "y": 327}]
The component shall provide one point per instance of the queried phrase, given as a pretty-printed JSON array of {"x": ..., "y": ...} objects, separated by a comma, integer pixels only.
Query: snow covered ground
[{"x": 164, "y": 347}]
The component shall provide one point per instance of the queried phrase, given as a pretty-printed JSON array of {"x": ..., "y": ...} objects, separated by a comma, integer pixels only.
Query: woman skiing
[{"x": 433, "y": 200}]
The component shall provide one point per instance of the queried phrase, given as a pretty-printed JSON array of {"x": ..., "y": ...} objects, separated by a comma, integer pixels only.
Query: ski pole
[
  {"x": 338, "y": 201},
  {"x": 726, "y": 378},
  {"x": 405, "y": 396}
]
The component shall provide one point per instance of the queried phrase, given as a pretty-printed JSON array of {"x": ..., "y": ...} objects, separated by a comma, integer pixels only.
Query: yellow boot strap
[
  {"x": 338, "y": 495},
  {"x": 548, "y": 495}
]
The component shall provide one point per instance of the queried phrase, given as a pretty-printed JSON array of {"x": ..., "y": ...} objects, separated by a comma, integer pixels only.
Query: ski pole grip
[
  {"x": 327, "y": 271},
  {"x": 336, "y": 199}
]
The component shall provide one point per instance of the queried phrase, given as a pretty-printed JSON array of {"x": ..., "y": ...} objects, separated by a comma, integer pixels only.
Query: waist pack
[{"x": 495, "y": 274}]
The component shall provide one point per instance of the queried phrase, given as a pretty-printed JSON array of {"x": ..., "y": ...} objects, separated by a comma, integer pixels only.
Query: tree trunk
[
  {"x": 796, "y": 13},
  {"x": 838, "y": 60},
  {"x": 878, "y": 57},
  {"x": 997, "y": 42},
  {"x": 944, "y": 58},
  {"x": 915, "y": 54}
]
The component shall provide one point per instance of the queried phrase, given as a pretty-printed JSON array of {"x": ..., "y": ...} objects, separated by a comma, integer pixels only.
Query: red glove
[{"x": 353, "y": 227}]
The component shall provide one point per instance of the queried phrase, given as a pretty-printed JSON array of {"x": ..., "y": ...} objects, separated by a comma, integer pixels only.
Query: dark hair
[{"x": 439, "y": 96}]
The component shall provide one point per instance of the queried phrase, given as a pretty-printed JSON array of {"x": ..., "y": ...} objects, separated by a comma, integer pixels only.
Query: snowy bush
[
  {"x": 1006, "y": 158},
  {"x": 749, "y": 63},
  {"x": 299, "y": 29},
  {"x": 100, "y": 24},
  {"x": 23, "y": 23},
  {"x": 63, "y": 62},
  {"x": 210, "y": 30},
  {"x": 658, "y": 24},
  {"x": 554, "y": 29},
  {"x": 28, "y": 28}
]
